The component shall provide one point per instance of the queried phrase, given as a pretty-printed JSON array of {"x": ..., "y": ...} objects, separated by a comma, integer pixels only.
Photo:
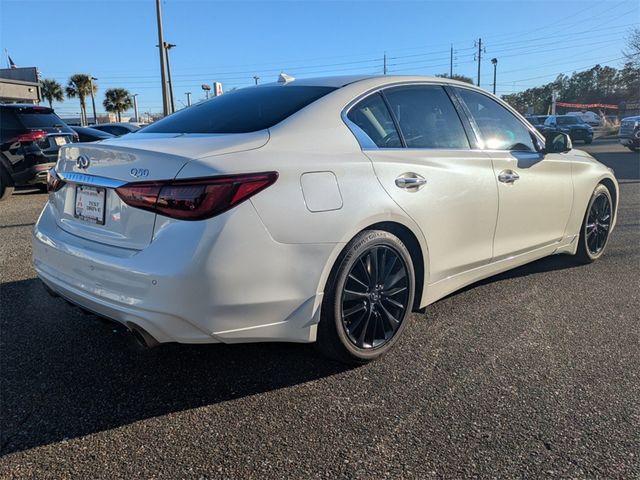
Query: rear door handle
[
  {"x": 411, "y": 181},
  {"x": 508, "y": 176}
]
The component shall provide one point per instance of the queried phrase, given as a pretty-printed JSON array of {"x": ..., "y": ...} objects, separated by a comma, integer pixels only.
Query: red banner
[{"x": 587, "y": 105}]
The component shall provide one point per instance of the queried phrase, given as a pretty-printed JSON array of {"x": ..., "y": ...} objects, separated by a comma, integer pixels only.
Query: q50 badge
[{"x": 139, "y": 172}]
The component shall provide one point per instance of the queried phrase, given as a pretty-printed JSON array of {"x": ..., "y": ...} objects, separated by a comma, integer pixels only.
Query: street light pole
[
  {"x": 256, "y": 78},
  {"x": 167, "y": 47},
  {"x": 93, "y": 99},
  {"x": 135, "y": 106},
  {"x": 165, "y": 103},
  {"x": 495, "y": 67},
  {"x": 206, "y": 89},
  {"x": 188, "y": 99}
]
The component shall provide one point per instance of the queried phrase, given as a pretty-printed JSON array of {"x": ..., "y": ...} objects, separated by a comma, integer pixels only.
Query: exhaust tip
[{"x": 144, "y": 338}]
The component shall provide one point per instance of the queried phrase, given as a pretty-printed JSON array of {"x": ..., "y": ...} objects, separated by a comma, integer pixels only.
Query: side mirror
[{"x": 557, "y": 142}]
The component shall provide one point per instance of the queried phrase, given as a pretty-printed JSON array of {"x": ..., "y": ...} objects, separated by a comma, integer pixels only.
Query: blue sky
[{"x": 114, "y": 40}]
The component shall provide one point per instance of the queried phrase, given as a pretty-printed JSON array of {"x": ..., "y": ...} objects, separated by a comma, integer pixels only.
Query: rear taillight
[
  {"x": 54, "y": 182},
  {"x": 33, "y": 136},
  {"x": 195, "y": 199}
]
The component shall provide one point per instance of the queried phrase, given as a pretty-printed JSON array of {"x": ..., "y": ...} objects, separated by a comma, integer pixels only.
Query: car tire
[
  {"x": 368, "y": 298},
  {"x": 6, "y": 185},
  {"x": 596, "y": 226},
  {"x": 42, "y": 187}
]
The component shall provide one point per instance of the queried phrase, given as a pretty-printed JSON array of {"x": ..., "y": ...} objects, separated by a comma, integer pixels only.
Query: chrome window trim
[
  {"x": 93, "y": 180},
  {"x": 363, "y": 138}
]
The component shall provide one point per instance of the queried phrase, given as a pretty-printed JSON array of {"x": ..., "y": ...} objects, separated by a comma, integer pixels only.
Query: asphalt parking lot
[{"x": 532, "y": 373}]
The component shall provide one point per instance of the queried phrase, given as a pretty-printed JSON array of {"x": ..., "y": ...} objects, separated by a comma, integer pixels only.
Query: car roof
[
  {"x": 115, "y": 124},
  {"x": 342, "y": 80},
  {"x": 87, "y": 129},
  {"x": 30, "y": 106}
]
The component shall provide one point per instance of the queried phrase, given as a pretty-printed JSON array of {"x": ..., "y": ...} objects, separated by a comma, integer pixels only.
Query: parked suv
[
  {"x": 538, "y": 121},
  {"x": 591, "y": 118},
  {"x": 629, "y": 133},
  {"x": 30, "y": 137},
  {"x": 571, "y": 125}
]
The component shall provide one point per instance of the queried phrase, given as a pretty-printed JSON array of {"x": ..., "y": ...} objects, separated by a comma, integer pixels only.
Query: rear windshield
[
  {"x": 246, "y": 110},
  {"x": 36, "y": 119}
]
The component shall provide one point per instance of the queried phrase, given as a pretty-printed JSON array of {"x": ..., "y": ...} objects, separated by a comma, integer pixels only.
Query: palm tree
[
  {"x": 51, "y": 90},
  {"x": 117, "y": 100},
  {"x": 80, "y": 86}
]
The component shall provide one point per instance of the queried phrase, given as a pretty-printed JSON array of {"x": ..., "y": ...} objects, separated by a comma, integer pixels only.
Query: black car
[
  {"x": 117, "y": 129},
  {"x": 629, "y": 133},
  {"x": 87, "y": 134},
  {"x": 30, "y": 137},
  {"x": 538, "y": 121},
  {"x": 573, "y": 126}
]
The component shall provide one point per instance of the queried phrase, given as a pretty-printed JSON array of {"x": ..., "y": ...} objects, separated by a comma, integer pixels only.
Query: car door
[
  {"x": 535, "y": 190},
  {"x": 423, "y": 159}
]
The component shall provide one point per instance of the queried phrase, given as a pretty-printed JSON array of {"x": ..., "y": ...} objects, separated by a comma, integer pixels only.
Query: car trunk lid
[{"x": 88, "y": 204}]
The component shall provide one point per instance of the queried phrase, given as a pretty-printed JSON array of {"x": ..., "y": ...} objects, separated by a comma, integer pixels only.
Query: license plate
[
  {"x": 60, "y": 140},
  {"x": 90, "y": 203}
]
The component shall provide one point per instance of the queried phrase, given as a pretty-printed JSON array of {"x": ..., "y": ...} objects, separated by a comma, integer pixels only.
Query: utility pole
[
  {"x": 135, "y": 106},
  {"x": 188, "y": 99},
  {"x": 93, "y": 99},
  {"x": 165, "y": 100},
  {"x": 384, "y": 63},
  {"x": 168, "y": 46},
  {"x": 256, "y": 78},
  {"x": 451, "y": 63},
  {"x": 495, "y": 67},
  {"x": 479, "y": 58}
]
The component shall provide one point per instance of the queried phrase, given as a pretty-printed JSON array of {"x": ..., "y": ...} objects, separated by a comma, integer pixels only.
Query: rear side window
[
  {"x": 9, "y": 125},
  {"x": 246, "y": 110},
  {"x": 373, "y": 118},
  {"x": 427, "y": 118},
  {"x": 499, "y": 128}
]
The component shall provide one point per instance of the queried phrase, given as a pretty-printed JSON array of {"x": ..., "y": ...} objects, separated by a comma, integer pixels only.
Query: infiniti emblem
[{"x": 82, "y": 162}]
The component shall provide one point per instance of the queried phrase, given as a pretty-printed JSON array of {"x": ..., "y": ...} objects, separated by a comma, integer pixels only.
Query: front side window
[
  {"x": 499, "y": 128},
  {"x": 426, "y": 117},
  {"x": 246, "y": 110},
  {"x": 373, "y": 118}
]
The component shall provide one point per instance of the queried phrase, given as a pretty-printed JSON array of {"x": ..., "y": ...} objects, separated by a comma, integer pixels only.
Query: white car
[{"x": 313, "y": 210}]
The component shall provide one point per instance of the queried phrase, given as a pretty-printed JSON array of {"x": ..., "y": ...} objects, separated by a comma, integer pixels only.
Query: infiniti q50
[{"x": 321, "y": 210}]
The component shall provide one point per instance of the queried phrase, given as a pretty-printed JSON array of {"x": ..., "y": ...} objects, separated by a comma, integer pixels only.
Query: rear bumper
[
  {"x": 581, "y": 135},
  {"x": 34, "y": 175},
  {"x": 221, "y": 280},
  {"x": 630, "y": 141}
]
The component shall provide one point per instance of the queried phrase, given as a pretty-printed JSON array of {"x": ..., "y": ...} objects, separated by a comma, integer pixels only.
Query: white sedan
[{"x": 321, "y": 210}]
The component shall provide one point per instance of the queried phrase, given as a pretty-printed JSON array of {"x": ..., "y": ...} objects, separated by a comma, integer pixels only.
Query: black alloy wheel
[
  {"x": 375, "y": 297},
  {"x": 596, "y": 226},
  {"x": 598, "y": 223},
  {"x": 368, "y": 298}
]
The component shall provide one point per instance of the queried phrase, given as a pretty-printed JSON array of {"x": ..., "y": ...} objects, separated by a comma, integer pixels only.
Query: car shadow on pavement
[
  {"x": 546, "y": 264},
  {"x": 626, "y": 165},
  {"x": 65, "y": 374}
]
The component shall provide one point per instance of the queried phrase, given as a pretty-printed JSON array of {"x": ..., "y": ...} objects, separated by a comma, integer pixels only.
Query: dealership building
[{"x": 19, "y": 85}]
